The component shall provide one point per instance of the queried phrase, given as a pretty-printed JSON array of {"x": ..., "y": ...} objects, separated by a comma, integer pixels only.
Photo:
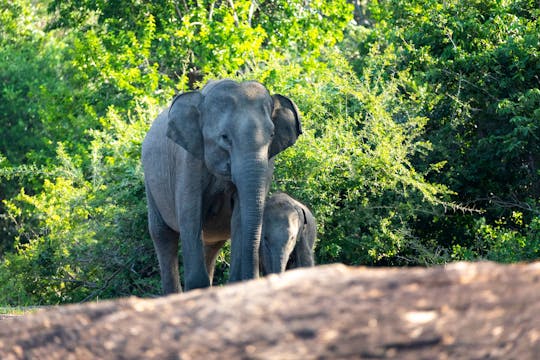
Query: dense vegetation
[{"x": 421, "y": 120}]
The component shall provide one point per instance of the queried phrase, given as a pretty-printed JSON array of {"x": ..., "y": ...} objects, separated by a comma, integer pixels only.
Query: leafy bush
[
  {"x": 81, "y": 231},
  {"x": 473, "y": 72},
  {"x": 84, "y": 236},
  {"x": 420, "y": 141},
  {"x": 353, "y": 167},
  {"x": 506, "y": 241}
]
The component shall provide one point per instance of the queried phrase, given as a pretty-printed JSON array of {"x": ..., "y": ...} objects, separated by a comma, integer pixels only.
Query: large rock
[{"x": 461, "y": 311}]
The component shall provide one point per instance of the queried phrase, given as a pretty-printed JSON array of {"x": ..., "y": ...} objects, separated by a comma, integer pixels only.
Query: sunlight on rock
[{"x": 420, "y": 317}]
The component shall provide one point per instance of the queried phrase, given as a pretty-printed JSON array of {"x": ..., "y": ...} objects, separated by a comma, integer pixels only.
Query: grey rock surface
[{"x": 460, "y": 311}]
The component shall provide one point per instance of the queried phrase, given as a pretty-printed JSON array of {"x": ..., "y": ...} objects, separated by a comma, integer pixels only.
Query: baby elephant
[{"x": 288, "y": 235}]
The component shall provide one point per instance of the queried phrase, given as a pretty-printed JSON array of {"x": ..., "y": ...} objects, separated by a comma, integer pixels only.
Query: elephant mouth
[
  {"x": 223, "y": 174},
  {"x": 221, "y": 171},
  {"x": 225, "y": 177}
]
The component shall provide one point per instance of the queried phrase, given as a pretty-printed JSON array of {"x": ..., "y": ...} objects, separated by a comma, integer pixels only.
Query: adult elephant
[{"x": 208, "y": 164}]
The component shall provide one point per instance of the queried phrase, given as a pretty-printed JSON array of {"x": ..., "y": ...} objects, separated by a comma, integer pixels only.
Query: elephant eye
[{"x": 226, "y": 140}]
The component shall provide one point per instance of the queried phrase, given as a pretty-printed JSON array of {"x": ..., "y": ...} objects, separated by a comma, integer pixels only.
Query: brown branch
[
  {"x": 177, "y": 10},
  {"x": 103, "y": 287}
]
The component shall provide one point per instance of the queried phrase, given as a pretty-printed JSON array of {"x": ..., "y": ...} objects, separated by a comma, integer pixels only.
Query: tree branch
[
  {"x": 178, "y": 12},
  {"x": 235, "y": 15},
  {"x": 211, "y": 11},
  {"x": 252, "y": 8},
  {"x": 103, "y": 287}
]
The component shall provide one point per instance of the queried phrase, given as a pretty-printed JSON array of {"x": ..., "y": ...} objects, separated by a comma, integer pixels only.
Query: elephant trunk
[
  {"x": 279, "y": 262},
  {"x": 252, "y": 186},
  {"x": 274, "y": 258}
]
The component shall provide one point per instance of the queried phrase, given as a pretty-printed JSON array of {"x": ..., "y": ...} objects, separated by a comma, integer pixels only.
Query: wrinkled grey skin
[
  {"x": 288, "y": 235},
  {"x": 208, "y": 165}
]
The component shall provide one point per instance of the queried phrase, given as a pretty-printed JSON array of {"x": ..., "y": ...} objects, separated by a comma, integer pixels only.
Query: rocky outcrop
[{"x": 461, "y": 311}]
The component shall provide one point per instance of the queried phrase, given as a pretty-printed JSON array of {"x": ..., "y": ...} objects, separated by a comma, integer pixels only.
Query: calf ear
[
  {"x": 184, "y": 123},
  {"x": 303, "y": 223},
  {"x": 286, "y": 124},
  {"x": 304, "y": 216}
]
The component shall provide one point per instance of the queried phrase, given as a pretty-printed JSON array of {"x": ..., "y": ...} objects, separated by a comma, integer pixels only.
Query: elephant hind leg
[
  {"x": 165, "y": 242},
  {"x": 210, "y": 254}
]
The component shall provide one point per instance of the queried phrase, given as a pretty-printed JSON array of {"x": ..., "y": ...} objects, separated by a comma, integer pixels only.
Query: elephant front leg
[
  {"x": 189, "y": 201},
  {"x": 195, "y": 273}
]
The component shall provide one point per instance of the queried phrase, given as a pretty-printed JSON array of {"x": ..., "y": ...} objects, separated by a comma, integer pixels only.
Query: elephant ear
[
  {"x": 184, "y": 123},
  {"x": 302, "y": 217},
  {"x": 286, "y": 122}
]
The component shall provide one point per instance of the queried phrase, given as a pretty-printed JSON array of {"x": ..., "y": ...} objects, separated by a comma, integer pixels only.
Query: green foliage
[
  {"x": 475, "y": 65},
  {"x": 195, "y": 39},
  {"x": 79, "y": 226},
  {"x": 420, "y": 145},
  {"x": 506, "y": 241},
  {"x": 55, "y": 87},
  {"x": 353, "y": 166},
  {"x": 478, "y": 57},
  {"x": 84, "y": 236}
]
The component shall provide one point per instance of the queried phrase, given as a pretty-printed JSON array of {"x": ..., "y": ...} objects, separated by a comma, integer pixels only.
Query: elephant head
[
  {"x": 289, "y": 232},
  {"x": 234, "y": 129}
]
